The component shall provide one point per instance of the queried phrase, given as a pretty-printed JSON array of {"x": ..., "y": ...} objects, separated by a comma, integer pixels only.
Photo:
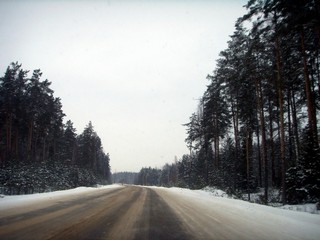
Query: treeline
[
  {"x": 170, "y": 175},
  {"x": 167, "y": 176},
  {"x": 38, "y": 152},
  {"x": 256, "y": 125},
  {"x": 125, "y": 177}
]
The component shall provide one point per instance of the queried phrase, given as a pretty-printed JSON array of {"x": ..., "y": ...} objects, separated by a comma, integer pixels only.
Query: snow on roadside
[
  {"x": 264, "y": 219},
  {"x": 8, "y": 202},
  {"x": 309, "y": 207},
  {"x": 214, "y": 192}
]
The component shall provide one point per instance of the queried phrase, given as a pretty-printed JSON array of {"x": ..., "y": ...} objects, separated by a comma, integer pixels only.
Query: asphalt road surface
[
  {"x": 121, "y": 213},
  {"x": 129, "y": 212}
]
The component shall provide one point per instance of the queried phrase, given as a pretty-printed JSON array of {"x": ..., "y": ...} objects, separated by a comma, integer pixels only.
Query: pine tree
[
  {"x": 69, "y": 143},
  {"x": 35, "y": 148},
  {"x": 303, "y": 180}
]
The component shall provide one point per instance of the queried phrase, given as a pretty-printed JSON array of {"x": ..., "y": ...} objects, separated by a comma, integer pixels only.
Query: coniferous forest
[
  {"x": 256, "y": 127},
  {"x": 38, "y": 151},
  {"x": 257, "y": 123}
]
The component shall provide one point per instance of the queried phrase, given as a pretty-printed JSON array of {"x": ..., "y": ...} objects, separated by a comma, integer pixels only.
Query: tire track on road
[
  {"x": 43, "y": 223},
  {"x": 60, "y": 205},
  {"x": 129, "y": 213},
  {"x": 159, "y": 222},
  {"x": 103, "y": 217}
]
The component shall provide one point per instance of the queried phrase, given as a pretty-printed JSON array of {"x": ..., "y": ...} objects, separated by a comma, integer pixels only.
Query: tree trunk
[
  {"x": 216, "y": 151},
  {"x": 235, "y": 119},
  {"x": 273, "y": 167},
  {"x": 281, "y": 117},
  {"x": 312, "y": 119},
  {"x": 216, "y": 143},
  {"x": 249, "y": 159},
  {"x": 259, "y": 158},
  {"x": 289, "y": 126},
  {"x": 206, "y": 162},
  {"x": 263, "y": 136},
  {"x": 295, "y": 127},
  {"x": 235, "y": 128}
]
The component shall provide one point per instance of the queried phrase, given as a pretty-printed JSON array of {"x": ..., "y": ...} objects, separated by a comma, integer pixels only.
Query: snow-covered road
[{"x": 133, "y": 212}]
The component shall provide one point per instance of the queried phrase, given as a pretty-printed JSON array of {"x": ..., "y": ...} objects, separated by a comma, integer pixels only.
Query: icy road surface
[{"x": 134, "y": 212}]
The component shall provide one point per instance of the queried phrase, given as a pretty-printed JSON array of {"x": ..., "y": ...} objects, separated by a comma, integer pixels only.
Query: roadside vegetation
[
  {"x": 39, "y": 151},
  {"x": 257, "y": 124}
]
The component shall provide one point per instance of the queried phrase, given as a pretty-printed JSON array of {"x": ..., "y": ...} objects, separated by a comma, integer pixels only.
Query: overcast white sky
[{"x": 133, "y": 68}]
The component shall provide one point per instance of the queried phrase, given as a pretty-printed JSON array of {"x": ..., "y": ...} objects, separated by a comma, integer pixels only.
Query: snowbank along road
[{"x": 134, "y": 212}]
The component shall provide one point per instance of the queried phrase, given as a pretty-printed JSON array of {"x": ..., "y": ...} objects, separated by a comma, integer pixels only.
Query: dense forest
[
  {"x": 256, "y": 125},
  {"x": 38, "y": 151},
  {"x": 125, "y": 177}
]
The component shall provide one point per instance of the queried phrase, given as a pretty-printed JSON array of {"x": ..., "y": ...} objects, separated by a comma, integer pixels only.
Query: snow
[
  {"x": 8, "y": 202},
  {"x": 309, "y": 207},
  {"x": 213, "y": 191},
  {"x": 283, "y": 221},
  {"x": 214, "y": 202}
]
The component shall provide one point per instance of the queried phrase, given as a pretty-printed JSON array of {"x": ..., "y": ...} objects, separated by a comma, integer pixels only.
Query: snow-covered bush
[{"x": 44, "y": 177}]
